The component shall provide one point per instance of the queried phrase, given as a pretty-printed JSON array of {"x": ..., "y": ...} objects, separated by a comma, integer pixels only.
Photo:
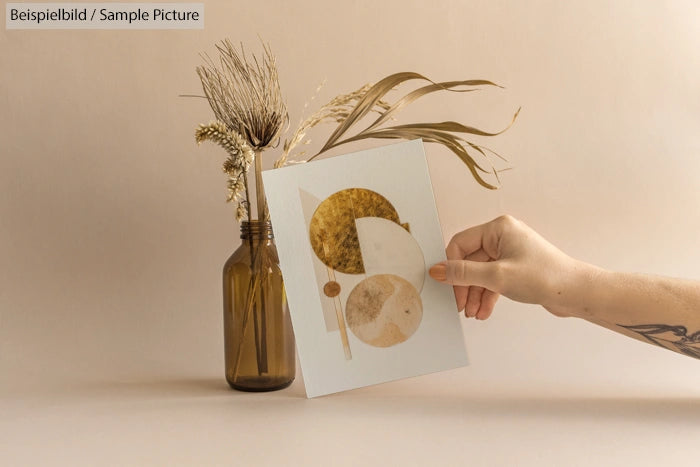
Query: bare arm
[{"x": 507, "y": 257}]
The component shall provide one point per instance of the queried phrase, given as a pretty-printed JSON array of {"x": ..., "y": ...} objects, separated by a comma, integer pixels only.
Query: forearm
[{"x": 658, "y": 310}]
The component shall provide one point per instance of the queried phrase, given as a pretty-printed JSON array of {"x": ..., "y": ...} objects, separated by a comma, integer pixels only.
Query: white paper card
[{"x": 356, "y": 235}]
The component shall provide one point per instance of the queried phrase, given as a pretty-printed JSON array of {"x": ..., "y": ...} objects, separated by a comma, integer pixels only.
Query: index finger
[{"x": 465, "y": 243}]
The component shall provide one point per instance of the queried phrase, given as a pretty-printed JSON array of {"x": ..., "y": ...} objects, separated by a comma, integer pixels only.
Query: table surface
[{"x": 429, "y": 420}]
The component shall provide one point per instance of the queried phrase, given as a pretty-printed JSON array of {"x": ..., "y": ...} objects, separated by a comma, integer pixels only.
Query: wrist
[{"x": 576, "y": 293}]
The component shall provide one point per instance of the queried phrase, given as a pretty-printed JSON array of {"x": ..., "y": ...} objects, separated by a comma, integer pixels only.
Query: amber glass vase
[{"x": 258, "y": 337}]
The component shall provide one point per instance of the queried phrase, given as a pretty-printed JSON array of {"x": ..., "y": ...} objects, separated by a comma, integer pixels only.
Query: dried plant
[
  {"x": 336, "y": 111},
  {"x": 370, "y": 98},
  {"x": 245, "y": 94},
  {"x": 236, "y": 165}
]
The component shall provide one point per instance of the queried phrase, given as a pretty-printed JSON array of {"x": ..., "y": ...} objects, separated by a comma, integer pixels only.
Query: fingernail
[{"x": 438, "y": 272}]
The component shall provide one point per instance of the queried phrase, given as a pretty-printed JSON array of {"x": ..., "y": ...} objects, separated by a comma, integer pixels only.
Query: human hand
[{"x": 507, "y": 257}]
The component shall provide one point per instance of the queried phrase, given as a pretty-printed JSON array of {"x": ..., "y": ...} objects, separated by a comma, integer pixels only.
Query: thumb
[{"x": 466, "y": 273}]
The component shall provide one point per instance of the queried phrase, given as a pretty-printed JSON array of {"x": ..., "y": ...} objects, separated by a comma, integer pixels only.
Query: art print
[{"x": 356, "y": 235}]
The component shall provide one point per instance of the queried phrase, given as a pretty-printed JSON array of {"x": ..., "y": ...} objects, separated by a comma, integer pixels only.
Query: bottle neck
[{"x": 256, "y": 230}]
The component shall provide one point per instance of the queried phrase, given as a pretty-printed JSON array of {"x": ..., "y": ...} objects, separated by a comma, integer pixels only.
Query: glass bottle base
[{"x": 258, "y": 384}]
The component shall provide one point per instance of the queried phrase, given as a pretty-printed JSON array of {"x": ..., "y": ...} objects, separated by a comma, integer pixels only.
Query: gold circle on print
[
  {"x": 331, "y": 289},
  {"x": 384, "y": 310},
  {"x": 332, "y": 231}
]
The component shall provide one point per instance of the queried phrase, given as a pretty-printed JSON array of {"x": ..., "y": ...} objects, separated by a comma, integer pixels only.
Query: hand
[{"x": 507, "y": 257}]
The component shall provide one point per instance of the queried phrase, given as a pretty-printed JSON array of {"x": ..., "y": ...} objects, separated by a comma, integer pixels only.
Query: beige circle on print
[
  {"x": 388, "y": 248},
  {"x": 384, "y": 310}
]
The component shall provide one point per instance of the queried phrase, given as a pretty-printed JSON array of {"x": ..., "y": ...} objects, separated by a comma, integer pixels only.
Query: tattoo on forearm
[{"x": 669, "y": 337}]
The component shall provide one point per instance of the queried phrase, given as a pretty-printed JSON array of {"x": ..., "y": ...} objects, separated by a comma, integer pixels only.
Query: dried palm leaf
[{"x": 372, "y": 99}]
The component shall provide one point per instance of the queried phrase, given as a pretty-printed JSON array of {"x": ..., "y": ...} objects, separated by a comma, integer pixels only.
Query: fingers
[
  {"x": 474, "y": 293},
  {"x": 465, "y": 243},
  {"x": 472, "y": 279},
  {"x": 473, "y": 301},
  {"x": 461, "y": 294},
  {"x": 465, "y": 273},
  {"x": 470, "y": 273},
  {"x": 488, "y": 302},
  {"x": 474, "y": 284}
]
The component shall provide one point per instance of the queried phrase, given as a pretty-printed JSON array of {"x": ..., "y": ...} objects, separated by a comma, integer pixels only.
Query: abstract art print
[{"x": 356, "y": 235}]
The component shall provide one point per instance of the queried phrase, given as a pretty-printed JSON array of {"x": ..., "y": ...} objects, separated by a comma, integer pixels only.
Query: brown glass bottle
[{"x": 258, "y": 336}]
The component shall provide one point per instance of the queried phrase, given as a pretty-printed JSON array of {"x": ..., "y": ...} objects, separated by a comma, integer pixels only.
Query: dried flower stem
[{"x": 263, "y": 214}]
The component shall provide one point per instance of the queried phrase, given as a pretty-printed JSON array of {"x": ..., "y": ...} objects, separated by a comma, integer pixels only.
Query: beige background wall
[{"x": 113, "y": 226}]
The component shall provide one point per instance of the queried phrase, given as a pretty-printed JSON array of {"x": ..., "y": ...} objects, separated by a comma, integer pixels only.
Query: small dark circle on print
[{"x": 331, "y": 289}]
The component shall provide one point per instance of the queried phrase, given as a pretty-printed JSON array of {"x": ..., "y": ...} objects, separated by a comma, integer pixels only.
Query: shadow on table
[
  {"x": 602, "y": 408},
  {"x": 197, "y": 387}
]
